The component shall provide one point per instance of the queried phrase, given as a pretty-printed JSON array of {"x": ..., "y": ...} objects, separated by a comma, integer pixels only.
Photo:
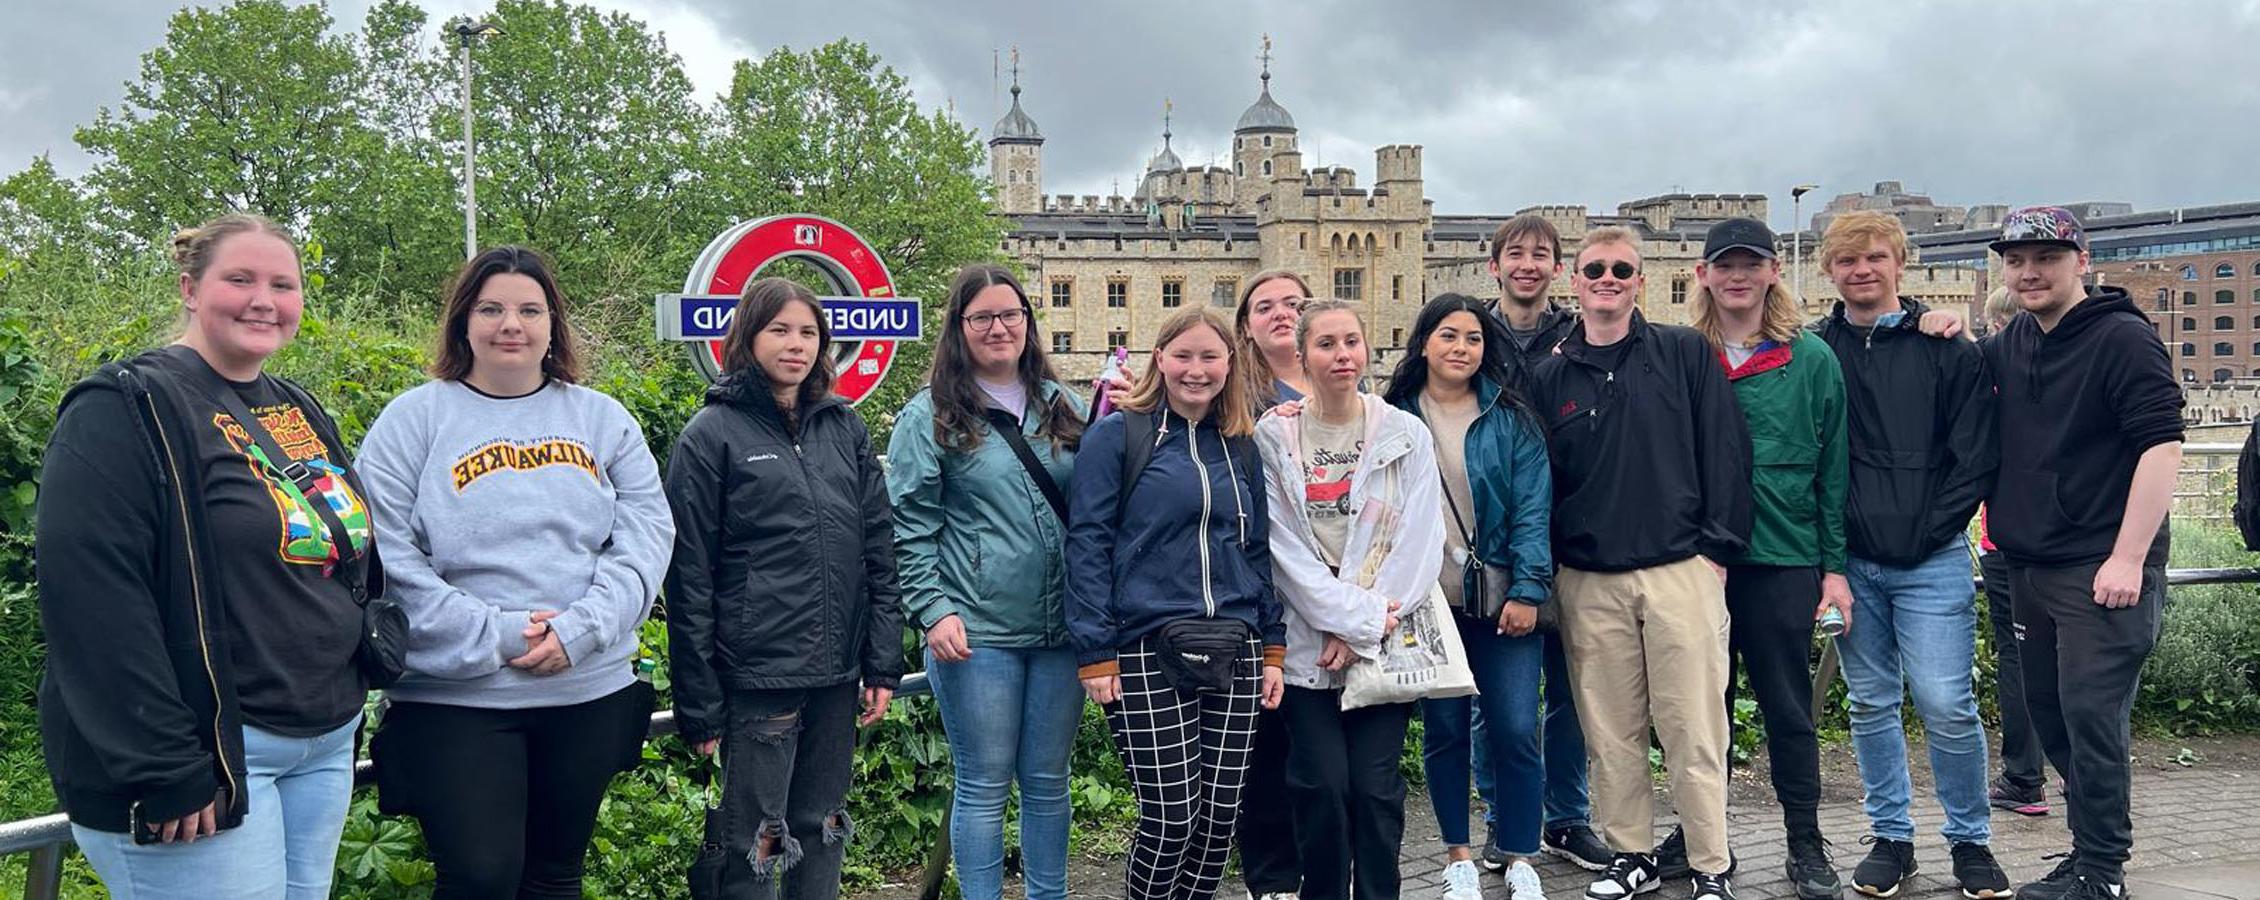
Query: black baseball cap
[{"x": 1738, "y": 234}]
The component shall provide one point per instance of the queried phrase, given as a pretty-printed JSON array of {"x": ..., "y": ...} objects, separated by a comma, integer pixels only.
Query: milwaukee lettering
[{"x": 504, "y": 456}]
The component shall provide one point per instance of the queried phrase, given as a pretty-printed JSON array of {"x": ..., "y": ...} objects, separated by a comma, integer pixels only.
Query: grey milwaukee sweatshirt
[{"x": 489, "y": 509}]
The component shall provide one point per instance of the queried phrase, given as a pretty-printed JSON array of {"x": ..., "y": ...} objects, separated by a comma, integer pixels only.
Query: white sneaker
[
  {"x": 1460, "y": 881},
  {"x": 1522, "y": 882}
]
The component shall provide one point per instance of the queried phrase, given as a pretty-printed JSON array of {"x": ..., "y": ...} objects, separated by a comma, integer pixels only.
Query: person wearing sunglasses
[{"x": 1652, "y": 468}]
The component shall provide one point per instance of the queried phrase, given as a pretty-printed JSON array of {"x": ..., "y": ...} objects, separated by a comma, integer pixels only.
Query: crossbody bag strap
[
  {"x": 1009, "y": 426},
  {"x": 350, "y": 563}
]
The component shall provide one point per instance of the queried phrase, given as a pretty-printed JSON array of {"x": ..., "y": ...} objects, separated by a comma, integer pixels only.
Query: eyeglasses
[
  {"x": 1621, "y": 269},
  {"x": 987, "y": 321}
]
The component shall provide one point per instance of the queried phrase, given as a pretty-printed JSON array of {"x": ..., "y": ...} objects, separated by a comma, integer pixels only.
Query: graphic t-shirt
[
  {"x": 1330, "y": 456},
  {"x": 291, "y": 628}
]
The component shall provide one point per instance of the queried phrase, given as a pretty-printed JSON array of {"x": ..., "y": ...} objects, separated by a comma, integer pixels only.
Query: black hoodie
[
  {"x": 1554, "y": 326},
  {"x": 2079, "y": 406},
  {"x": 1921, "y": 412},
  {"x": 784, "y": 568}
]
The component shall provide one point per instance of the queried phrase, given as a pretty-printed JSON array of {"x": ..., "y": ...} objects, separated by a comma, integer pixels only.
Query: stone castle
[{"x": 1105, "y": 272}]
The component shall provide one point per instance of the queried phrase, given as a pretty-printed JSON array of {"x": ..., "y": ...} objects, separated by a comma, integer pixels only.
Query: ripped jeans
[{"x": 783, "y": 825}]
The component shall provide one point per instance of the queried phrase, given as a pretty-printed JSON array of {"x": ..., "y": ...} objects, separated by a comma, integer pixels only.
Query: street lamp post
[
  {"x": 470, "y": 149},
  {"x": 1797, "y": 240}
]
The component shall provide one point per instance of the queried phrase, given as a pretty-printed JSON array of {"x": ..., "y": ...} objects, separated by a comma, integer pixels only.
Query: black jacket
[
  {"x": 1921, "y": 416},
  {"x": 1554, "y": 326},
  {"x": 2079, "y": 406},
  {"x": 138, "y": 702},
  {"x": 1652, "y": 461},
  {"x": 784, "y": 568}
]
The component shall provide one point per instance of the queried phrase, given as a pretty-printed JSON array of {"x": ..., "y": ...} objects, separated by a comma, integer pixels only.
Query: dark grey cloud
[{"x": 1543, "y": 101}]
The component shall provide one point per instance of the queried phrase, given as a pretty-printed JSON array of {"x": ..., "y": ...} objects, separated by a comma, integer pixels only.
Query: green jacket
[
  {"x": 974, "y": 535},
  {"x": 1792, "y": 396}
]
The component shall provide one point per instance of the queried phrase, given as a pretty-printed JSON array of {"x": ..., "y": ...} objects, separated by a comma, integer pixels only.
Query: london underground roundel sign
[{"x": 867, "y": 319}]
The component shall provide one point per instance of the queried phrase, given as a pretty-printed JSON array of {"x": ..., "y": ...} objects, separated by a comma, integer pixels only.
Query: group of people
[{"x": 1609, "y": 515}]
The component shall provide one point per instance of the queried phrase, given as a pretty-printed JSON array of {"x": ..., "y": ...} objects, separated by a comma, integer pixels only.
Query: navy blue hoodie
[
  {"x": 2079, "y": 405},
  {"x": 1164, "y": 561}
]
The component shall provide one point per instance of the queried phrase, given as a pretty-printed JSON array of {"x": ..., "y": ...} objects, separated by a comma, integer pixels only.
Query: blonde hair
[
  {"x": 1779, "y": 320},
  {"x": 193, "y": 248},
  {"x": 2000, "y": 306},
  {"x": 1233, "y": 408},
  {"x": 1852, "y": 232},
  {"x": 1312, "y": 309},
  {"x": 1609, "y": 234}
]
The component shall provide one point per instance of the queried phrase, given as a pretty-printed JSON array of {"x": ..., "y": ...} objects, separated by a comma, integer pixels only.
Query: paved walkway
[{"x": 2197, "y": 837}]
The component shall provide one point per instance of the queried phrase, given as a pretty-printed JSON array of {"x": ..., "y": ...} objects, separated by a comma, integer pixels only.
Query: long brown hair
[
  {"x": 762, "y": 301},
  {"x": 1262, "y": 383},
  {"x": 959, "y": 424},
  {"x": 1233, "y": 408},
  {"x": 453, "y": 360}
]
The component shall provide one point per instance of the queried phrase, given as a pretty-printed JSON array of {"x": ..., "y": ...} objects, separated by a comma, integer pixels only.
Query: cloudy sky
[{"x": 1518, "y": 103}]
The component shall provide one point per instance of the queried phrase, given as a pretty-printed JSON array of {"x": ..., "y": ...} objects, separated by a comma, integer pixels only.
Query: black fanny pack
[{"x": 1198, "y": 656}]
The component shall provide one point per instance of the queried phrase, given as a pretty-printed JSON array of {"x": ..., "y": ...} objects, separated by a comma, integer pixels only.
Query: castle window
[
  {"x": 1012, "y": 176},
  {"x": 1679, "y": 289},
  {"x": 1063, "y": 342},
  {"x": 1267, "y": 140},
  {"x": 2189, "y": 349},
  {"x": 1063, "y": 292},
  {"x": 2189, "y": 298},
  {"x": 1396, "y": 287},
  {"x": 2189, "y": 323},
  {"x": 2223, "y": 323},
  {"x": 1267, "y": 164},
  {"x": 1349, "y": 284},
  {"x": 1118, "y": 292},
  {"x": 1172, "y": 293},
  {"x": 2189, "y": 273},
  {"x": 1225, "y": 293},
  {"x": 2223, "y": 348},
  {"x": 1116, "y": 339}
]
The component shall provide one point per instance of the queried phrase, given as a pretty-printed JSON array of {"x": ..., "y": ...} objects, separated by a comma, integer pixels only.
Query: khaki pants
[{"x": 1650, "y": 645}]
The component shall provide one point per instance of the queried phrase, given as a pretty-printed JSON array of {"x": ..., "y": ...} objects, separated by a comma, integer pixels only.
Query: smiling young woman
[{"x": 527, "y": 534}]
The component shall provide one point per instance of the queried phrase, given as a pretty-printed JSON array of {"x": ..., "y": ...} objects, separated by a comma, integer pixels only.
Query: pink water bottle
[{"x": 1117, "y": 367}]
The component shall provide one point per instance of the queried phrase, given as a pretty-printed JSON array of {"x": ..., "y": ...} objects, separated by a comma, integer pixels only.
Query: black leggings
[{"x": 507, "y": 797}]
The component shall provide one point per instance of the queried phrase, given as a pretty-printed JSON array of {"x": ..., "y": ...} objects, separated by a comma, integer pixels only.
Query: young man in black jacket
[
  {"x": 1921, "y": 415},
  {"x": 1526, "y": 256},
  {"x": 2080, "y": 508},
  {"x": 1652, "y": 472}
]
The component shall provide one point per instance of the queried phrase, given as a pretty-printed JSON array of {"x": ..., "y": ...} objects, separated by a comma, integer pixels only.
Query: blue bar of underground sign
[{"x": 852, "y": 318}]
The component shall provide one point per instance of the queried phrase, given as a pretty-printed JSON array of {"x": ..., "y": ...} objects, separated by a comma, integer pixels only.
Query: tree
[
  {"x": 834, "y": 132},
  {"x": 391, "y": 210},
  {"x": 244, "y": 107}
]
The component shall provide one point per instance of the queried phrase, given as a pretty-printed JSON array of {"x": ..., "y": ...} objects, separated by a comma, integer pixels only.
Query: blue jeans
[
  {"x": 1567, "y": 804},
  {"x": 1506, "y": 674},
  {"x": 1915, "y": 629},
  {"x": 298, "y": 789},
  {"x": 1011, "y": 715}
]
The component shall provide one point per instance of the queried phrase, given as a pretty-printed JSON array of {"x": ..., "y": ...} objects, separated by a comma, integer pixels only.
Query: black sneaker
[
  {"x": 1811, "y": 871},
  {"x": 2023, "y": 801},
  {"x": 1886, "y": 869},
  {"x": 1627, "y": 874},
  {"x": 2089, "y": 887},
  {"x": 1579, "y": 845},
  {"x": 2057, "y": 884},
  {"x": 1711, "y": 887},
  {"x": 1492, "y": 859},
  {"x": 1980, "y": 877},
  {"x": 1671, "y": 855}
]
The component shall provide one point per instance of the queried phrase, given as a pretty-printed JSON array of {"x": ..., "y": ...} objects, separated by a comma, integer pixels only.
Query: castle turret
[
  {"x": 1016, "y": 156},
  {"x": 1265, "y": 132}
]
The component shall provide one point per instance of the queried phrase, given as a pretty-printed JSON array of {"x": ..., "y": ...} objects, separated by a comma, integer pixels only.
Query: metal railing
[
  {"x": 1825, "y": 672},
  {"x": 46, "y": 838}
]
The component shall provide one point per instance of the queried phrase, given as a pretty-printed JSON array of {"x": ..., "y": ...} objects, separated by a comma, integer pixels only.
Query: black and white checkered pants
[{"x": 1187, "y": 754}]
